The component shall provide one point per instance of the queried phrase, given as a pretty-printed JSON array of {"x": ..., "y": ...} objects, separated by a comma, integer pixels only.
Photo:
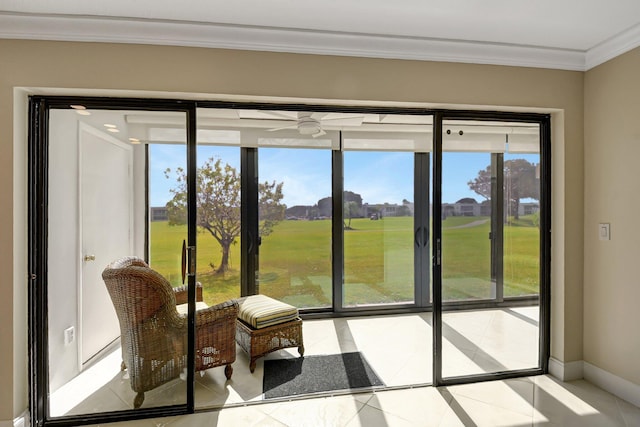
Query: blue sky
[{"x": 378, "y": 177}]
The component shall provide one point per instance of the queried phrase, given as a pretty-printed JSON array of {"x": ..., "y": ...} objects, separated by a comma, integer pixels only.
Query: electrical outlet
[{"x": 69, "y": 335}]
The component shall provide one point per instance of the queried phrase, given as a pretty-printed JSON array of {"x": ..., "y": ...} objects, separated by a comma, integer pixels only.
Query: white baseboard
[
  {"x": 568, "y": 371},
  {"x": 612, "y": 383},
  {"x": 21, "y": 421},
  {"x": 605, "y": 380}
]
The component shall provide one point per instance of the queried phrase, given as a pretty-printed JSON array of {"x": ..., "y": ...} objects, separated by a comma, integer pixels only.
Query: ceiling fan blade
[
  {"x": 287, "y": 115},
  {"x": 344, "y": 121},
  {"x": 318, "y": 116},
  {"x": 268, "y": 115},
  {"x": 218, "y": 113},
  {"x": 293, "y": 126}
]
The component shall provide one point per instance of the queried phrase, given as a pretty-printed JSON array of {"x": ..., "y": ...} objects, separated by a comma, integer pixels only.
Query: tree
[
  {"x": 351, "y": 209},
  {"x": 403, "y": 210},
  {"x": 520, "y": 182},
  {"x": 325, "y": 205},
  {"x": 218, "y": 204},
  {"x": 350, "y": 196},
  {"x": 270, "y": 209}
]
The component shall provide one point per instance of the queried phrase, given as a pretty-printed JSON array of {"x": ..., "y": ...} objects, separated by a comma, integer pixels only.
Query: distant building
[
  {"x": 300, "y": 212},
  {"x": 387, "y": 209},
  {"x": 470, "y": 207},
  {"x": 528, "y": 208},
  {"x": 159, "y": 213}
]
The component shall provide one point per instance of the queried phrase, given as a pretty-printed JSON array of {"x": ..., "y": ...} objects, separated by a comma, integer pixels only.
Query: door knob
[{"x": 89, "y": 257}]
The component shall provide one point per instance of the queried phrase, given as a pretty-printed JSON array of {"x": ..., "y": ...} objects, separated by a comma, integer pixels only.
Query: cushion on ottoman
[{"x": 260, "y": 311}]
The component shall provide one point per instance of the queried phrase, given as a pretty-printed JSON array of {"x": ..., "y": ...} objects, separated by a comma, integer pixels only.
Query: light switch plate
[
  {"x": 604, "y": 231},
  {"x": 69, "y": 335}
]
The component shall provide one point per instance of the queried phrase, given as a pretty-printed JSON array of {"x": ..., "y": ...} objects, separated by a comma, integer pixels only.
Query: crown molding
[
  {"x": 615, "y": 46},
  {"x": 224, "y": 36}
]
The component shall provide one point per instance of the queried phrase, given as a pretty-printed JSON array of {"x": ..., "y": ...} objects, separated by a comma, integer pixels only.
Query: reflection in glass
[
  {"x": 103, "y": 353},
  {"x": 522, "y": 226}
]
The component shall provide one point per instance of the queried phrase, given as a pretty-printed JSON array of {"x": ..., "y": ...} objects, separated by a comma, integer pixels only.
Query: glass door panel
[
  {"x": 294, "y": 218},
  {"x": 218, "y": 203},
  {"x": 522, "y": 224},
  {"x": 111, "y": 344},
  {"x": 218, "y": 259},
  {"x": 490, "y": 247},
  {"x": 378, "y": 224},
  {"x": 167, "y": 209},
  {"x": 466, "y": 228},
  {"x": 218, "y": 193}
]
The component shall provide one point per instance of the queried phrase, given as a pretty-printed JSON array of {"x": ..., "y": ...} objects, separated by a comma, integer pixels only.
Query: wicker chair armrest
[
  {"x": 181, "y": 293},
  {"x": 227, "y": 310}
]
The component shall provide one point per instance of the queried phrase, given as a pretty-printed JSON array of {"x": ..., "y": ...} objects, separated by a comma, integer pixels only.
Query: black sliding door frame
[
  {"x": 337, "y": 231},
  {"x": 497, "y": 223},
  {"x": 422, "y": 229},
  {"x": 249, "y": 233},
  {"x": 38, "y": 155},
  {"x": 427, "y": 237},
  {"x": 544, "y": 122}
]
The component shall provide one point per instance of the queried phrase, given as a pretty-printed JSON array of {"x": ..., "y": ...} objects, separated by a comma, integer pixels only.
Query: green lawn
[{"x": 295, "y": 261}]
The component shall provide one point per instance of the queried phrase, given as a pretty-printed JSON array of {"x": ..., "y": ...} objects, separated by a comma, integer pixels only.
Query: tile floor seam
[
  {"x": 357, "y": 414},
  {"x": 491, "y": 404},
  {"x": 624, "y": 419},
  {"x": 483, "y": 336},
  {"x": 390, "y": 413},
  {"x": 533, "y": 402}
]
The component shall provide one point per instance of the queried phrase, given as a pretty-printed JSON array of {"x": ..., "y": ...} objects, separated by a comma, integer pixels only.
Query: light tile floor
[
  {"x": 532, "y": 401},
  {"x": 399, "y": 349}
]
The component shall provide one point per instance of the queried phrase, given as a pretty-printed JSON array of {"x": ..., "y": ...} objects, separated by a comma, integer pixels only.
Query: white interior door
[{"x": 106, "y": 223}]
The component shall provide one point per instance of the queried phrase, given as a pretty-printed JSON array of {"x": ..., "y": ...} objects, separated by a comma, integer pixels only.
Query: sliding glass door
[
  {"x": 332, "y": 209},
  {"x": 385, "y": 231},
  {"x": 113, "y": 310},
  {"x": 337, "y": 211},
  {"x": 294, "y": 218},
  {"x": 490, "y": 244}
]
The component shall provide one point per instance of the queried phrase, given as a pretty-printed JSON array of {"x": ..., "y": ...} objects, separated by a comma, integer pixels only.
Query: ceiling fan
[{"x": 309, "y": 123}]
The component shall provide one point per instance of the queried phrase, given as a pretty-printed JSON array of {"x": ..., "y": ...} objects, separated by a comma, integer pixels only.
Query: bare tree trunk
[{"x": 224, "y": 263}]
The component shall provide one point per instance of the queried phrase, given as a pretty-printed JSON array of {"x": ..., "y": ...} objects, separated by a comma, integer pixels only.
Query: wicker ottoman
[{"x": 265, "y": 325}]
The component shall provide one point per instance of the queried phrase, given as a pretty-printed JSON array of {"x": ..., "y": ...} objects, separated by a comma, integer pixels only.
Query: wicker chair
[{"x": 153, "y": 333}]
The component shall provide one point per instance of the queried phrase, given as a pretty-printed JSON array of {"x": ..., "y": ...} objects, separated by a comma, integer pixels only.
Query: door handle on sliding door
[
  {"x": 188, "y": 260},
  {"x": 191, "y": 252},
  {"x": 416, "y": 237},
  {"x": 184, "y": 260},
  {"x": 250, "y": 241}
]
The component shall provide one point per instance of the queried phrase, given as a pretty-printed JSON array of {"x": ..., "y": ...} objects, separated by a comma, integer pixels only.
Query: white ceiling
[{"x": 566, "y": 34}]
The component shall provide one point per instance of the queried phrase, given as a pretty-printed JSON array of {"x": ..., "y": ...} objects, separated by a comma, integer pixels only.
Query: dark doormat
[{"x": 312, "y": 374}]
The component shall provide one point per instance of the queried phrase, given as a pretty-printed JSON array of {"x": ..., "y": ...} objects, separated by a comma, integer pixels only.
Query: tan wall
[
  {"x": 612, "y": 176},
  {"x": 173, "y": 69}
]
